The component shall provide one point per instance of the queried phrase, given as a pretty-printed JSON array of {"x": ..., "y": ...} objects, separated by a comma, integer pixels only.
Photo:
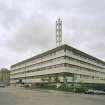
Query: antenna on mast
[{"x": 58, "y": 32}]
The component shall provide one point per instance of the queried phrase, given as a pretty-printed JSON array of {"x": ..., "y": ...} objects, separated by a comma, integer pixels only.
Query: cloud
[
  {"x": 36, "y": 31},
  {"x": 98, "y": 49}
]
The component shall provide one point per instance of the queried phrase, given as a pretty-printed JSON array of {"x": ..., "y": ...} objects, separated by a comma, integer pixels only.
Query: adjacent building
[
  {"x": 61, "y": 64},
  {"x": 5, "y": 76}
]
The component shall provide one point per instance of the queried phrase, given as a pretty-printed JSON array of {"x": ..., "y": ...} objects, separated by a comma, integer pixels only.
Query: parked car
[
  {"x": 26, "y": 85},
  {"x": 98, "y": 92},
  {"x": 89, "y": 91},
  {"x": 2, "y": 85}
]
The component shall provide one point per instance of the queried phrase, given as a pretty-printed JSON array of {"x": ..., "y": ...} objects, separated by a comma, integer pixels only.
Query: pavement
[{"x": 21, "y": 96}]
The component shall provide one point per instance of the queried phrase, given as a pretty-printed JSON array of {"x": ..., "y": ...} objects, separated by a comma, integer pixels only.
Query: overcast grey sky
[{"x": 27, "y": 27}]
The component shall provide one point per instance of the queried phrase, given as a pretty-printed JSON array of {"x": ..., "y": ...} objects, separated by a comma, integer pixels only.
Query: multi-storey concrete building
[
  {"x": 4, "y": 76},
  {"x": 61, "y": 64}
]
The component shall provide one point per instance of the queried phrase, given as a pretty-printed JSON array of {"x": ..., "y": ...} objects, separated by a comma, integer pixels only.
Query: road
[{"x": 19, "y": 96}]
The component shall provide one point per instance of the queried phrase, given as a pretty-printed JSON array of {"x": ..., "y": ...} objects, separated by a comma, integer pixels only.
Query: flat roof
[{"x": 57, "y": 49}]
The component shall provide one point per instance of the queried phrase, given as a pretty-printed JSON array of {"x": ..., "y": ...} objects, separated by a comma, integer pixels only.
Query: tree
[
  {"x": 43, "y": 80},
  {"x": 49, "y": 79},
  {"x": 65, "y": 77},
  {"x": 20, "y": 81},
  {"x": 56, "y": 79}
]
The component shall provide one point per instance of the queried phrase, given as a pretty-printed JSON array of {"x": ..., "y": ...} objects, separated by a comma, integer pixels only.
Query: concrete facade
[{"x": 62, "y": 64}]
